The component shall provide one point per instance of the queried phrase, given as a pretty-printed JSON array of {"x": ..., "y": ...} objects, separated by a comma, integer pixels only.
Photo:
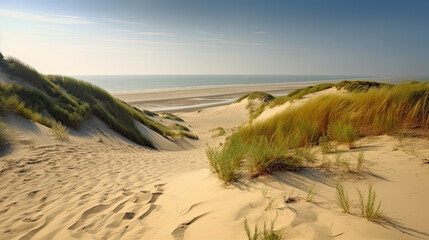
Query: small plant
[
  {"x": 262, "y": 96},
  {"x": 343, "y": 133},
  {"x": 171, "y": 117},
  {"x": 3, "y": 135},
  {"x": 61, "y": 131},
  {"x": 310, "y": 194},
  {"x": 325, "y": 144},
  {"x": 266, "y": 234},
  {"x": 369, "y": 208},
  {"x": 225, "y": 162},
  {"x": 343, "y": 198},
  {"x": 249, "y": 234},
  {"x": 180, "y": 127},
  {"x": 219, "y": 131},
  {"x": 360, "y": 161}
]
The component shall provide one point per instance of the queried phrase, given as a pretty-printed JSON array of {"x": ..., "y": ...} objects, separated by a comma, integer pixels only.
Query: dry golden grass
[{"x": 341, "y": 118}]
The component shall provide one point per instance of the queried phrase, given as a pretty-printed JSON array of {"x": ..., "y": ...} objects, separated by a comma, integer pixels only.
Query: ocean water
[{"x": 125, "y": 83}]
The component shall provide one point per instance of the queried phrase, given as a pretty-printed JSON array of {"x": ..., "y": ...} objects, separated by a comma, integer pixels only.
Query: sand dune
[{"x": 97, "y": 185}]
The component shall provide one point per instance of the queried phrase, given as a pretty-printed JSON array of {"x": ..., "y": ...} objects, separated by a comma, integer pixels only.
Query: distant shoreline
[
  {"x": 192, "y": 99},
  {"x": 144, "y": 83}
]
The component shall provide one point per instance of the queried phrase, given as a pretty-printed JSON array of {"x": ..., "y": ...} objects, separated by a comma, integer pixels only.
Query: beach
[
  {"x": 194, "y": 98},
  {"x": 100, "y": 185}
]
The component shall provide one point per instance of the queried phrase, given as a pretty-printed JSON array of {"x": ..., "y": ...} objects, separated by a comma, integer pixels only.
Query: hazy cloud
[
  {"x": 165, "y": 34},
  {"x": 228, "y": 42},
  {"x": 120, "y": 21},
  {"x": 60, "y": 19}
]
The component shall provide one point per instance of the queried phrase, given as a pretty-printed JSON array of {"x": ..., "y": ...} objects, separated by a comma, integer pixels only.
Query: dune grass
[
  {"x": 225, "y": 162},
  {"x": 265, "y": 234},
  {"x": 341, "y": 118},
  {"x": 343, "y": 198},
  {"x": 219, "y": 131},
  {"x": 343, "y": 133},
  {"x": 299, "y": 93},
  {"x": 261, "y": 96},
  {"x": 360, "y": 86},
  {"x": 4, "y": 138},
  {"x": 171, "y": 117},
  {"x": 180, "y": 127},
  {"x": 57, "y": 101},
  {"x": 61, "y": 131},
  {"x": 369, "y": 208}
]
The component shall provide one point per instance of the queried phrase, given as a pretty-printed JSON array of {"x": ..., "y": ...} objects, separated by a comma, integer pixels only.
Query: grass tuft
[
  {"x": 310, "y": 193},
  {"x": 171, "y": 117},
  {"x": 299, "y": 93},
  {"x": 60, "y": 130},
  {"x": 265, "y": 234},
  {"x": 369, "y": 208},
  {"x": 53, "y": 100},
  {"x": 261, "y": 96},
  {"x": 342, "y": 198},
  {"x": 224, "y": 163},
  {"x": 343, "y": 133},
  {"x": 219, "y": 131},
  {"x": 4, "y": 138},
  {"x": 180, "y": 127}
]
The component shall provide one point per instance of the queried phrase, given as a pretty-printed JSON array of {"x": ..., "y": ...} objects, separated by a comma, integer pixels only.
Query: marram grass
[
  {"x": 59, "y": 102},
  {"x": 337, "y": 117}
]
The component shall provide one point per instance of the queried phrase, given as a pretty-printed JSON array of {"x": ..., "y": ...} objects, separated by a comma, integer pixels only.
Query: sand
[
  {"x": 98, "y": 185},
  {"x": 196, "y": 98}
]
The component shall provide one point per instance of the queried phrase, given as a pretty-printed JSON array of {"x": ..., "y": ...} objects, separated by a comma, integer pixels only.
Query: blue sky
[{"x": 388, "y": 38}]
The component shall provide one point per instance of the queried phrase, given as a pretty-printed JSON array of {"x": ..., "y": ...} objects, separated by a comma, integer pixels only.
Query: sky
[{"x": 105, "y": 37}]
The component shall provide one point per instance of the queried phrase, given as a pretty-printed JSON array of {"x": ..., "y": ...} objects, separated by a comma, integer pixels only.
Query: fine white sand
[{"x": 98, "y": 185}]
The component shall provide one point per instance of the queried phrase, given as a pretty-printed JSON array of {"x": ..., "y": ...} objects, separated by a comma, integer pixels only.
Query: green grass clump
[
  {"x": 325, "y": 144},
  {"x": 171, "y": 117},
  {"x": 299, "y": 93},
  {"x": 369, "y": 208},
  {"x": 61, "y": 131},
  {"x": 265, "y": 234},
  {"x": 180, "y": 127},
  {"x": 343, "y": 133},
  {"x": 360, "y": 86},
  {"x": 343, "y": 198},
  {"x": 219, "y": 131},
  {"x": 4, "y": 138},
  {"x": 149, "y": 113},
  {"x": 264, "y": 158},
  {"x": 225, "y": 162},
  {"x": 341, "y": 118},
  {"x": 57, "y": 101},
  {"x": 262, "y": 96},
  {"x": 28, "y": 74},
  {"x": 182, "y": 134}
]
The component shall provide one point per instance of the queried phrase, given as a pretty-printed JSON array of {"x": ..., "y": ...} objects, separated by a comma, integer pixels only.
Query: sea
[{"x": 127, "y": 83}]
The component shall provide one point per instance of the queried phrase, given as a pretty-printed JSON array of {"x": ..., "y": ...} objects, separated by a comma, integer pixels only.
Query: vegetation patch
[
  {"x": 261, "y": 96},
  {"x": 171, "y": 117},
  {"x": 217, "y": 132},
  {"x": 267, "y": 233},
  {"x": 58, "y": 101},
  {"x": 299, "y": 93},
  {"x": 180, "y": 127},
  {"x": 360, "y": 86},
  {"x": 4, "y": 138},
  {"x": 368, "y": 206},
  {"x": 340, "y": 118},
  {"x": 343, "y": 198}
]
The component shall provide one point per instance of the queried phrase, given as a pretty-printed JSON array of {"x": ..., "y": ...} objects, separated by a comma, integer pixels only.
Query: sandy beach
[
  {"x": 189, "y": 99},
  {"x": 98, "y": 185},
  {"x": 214, "y": 120}
]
